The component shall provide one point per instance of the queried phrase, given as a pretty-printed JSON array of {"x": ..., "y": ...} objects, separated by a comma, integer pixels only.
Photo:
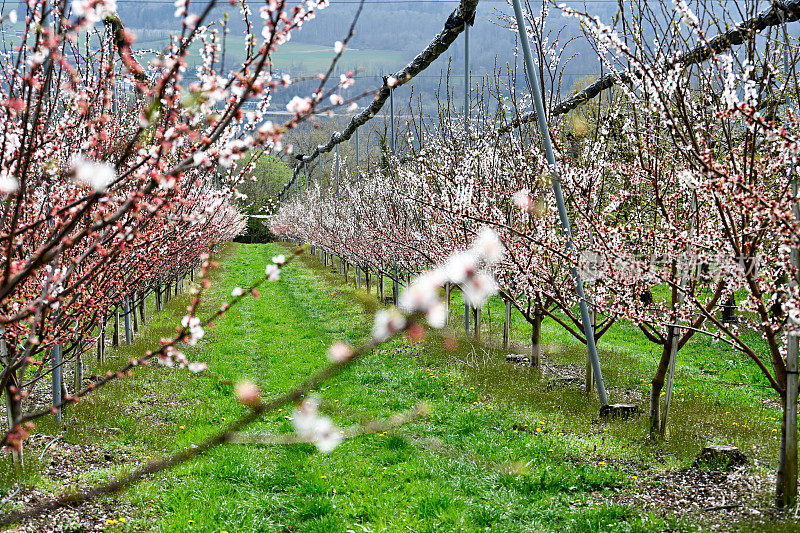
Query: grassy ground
[
  {"x": 500, "y": 452},
  {"x": 297, "y": 59}
]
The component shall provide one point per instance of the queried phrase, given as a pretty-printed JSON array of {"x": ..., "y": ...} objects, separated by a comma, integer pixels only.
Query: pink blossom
[
  {"x": 247, "y": 393},
  {"x": 339, "y": 352}
]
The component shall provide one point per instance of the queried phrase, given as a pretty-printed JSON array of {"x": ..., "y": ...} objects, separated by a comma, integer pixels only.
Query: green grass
[
  {"x": 294, "y": 58},
  {"x": 499, "y": 452}
]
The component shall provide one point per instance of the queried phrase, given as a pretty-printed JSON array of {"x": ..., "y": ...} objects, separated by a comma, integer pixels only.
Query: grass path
[{"x": 499, "y": 452}]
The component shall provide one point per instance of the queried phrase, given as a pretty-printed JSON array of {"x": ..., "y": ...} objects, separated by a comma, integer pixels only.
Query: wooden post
[{"x": 507, "y": 325}]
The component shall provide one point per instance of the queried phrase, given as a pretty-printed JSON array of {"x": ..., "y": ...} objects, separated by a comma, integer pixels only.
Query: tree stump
[
  {"x": 620, "y": 411},
  {"x": 720, "y": 457},
  {"x": 517, "y": 358},
  {"x": 563, "y": 383}
]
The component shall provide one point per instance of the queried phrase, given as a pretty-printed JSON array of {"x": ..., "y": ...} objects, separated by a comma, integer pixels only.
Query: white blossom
[
  {"x": 196, "y": 367},
  {"x": 273, "y": 272},
  {"x": 422, "y": 294},
  {"x": 477, "y": 289},
  {"x": 95, "y": 174},
  {"x": 310, "y": 426},
  {"x": 460, "y": 266},
  {"x": 298, "y": 105},
  {"x": 387, "y": 323},
  {"x": 437, "y": 315},
  {"x": 488, "y": 245},
  {"x": 8, "y": 183},
  {"x": 94, "y": 10},
  {"x": 196, "y": 332}
]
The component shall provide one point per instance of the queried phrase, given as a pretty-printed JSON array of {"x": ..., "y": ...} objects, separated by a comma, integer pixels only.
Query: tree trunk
[
  {"x": 143, "y": 307},
  {"x": 127, "y": 319},
  {"x": 133, "y": 312},
  {"x": 476, "y": 320},
  {"x": 77, "y": 383},
  {"x": 536, "y": 340},
  {"x": 13, "y": 401},
  {"x": 101, "y": 340},
  {"x": 656, "y": 386},
  {"x": 115, "y": 336},
  {"x": 507, "y": 325}
]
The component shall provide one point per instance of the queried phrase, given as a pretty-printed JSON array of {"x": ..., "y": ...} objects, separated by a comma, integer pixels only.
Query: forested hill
[{"x": 389, "y": 33}]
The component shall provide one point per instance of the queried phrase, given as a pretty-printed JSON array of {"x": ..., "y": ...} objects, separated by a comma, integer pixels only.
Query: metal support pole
[
  {"x": 391, "y": 119},
  {"x": 788, "y": 492},
  {"x": 358, "y": 173},
  {"x": 57, "y": 375},
  {"x": 337, "y": 173},
  {"x": 533, "y": 78},
  {"x": 466, "y": 133},
  {"x": 466, "y": 80}
]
